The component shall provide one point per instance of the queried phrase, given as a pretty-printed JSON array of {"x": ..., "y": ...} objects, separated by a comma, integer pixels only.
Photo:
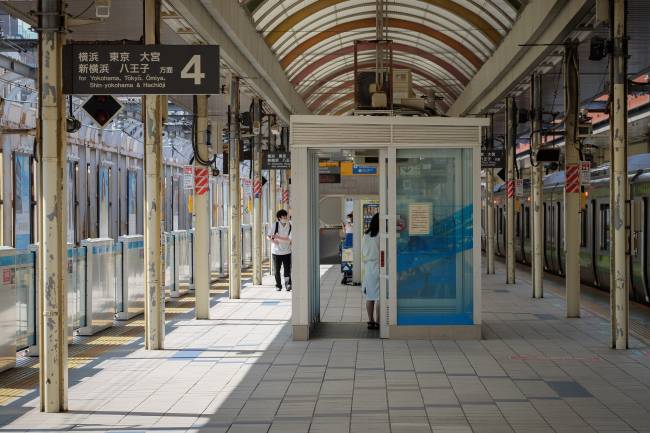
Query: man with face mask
[{"x": 280, "y": 236}]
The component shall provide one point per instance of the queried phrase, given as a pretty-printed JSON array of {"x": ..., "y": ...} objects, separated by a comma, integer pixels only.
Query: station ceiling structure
[{"x": 443, "y": 42}]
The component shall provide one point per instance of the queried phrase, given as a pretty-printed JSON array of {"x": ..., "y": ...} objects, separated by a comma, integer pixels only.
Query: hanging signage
[
  {"x": 111, "y": 69},
  {"x": 585, "y": 172},
  {"x": 519, "y": 187},
  {"x": 492, "y": 158},
  {"x": 277, "y": 161},
  {"x": 188, "y": 177}
]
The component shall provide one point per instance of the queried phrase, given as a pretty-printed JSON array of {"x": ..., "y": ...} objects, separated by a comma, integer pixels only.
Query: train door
[
  {"x": 103, "y": 198},
  {"x": 73, "y": 204},
  {"x": 602, "y": 253},
  {"x": 638, "y": 262},
  {"x": 23, "y": 218},
  {"x": 546, "y": 237},
  {"x": 593, "y": 233}
]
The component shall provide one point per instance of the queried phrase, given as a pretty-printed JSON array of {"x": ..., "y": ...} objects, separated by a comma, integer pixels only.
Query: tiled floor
[
  {"x": 340, "y": 302},
  {"x": 240, "y": 372}
]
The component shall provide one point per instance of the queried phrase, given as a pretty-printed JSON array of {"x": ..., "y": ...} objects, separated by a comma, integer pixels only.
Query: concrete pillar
[
  {"x": 511, "y": 141},
  {"x": 52, "y": 222},
  {"x": 536, "y": 199},
  {"x": 572, "y": 182},
  {"x": 154, "y": 313},
  {"x": 234, "y": 263},
  {"x": 489, "y": 209},
  {"x": 619, "y": 184},
  {"x": 201, "y": 242},
  {"x": 273, "y": 184},
  {"x": 258, "y": 226}
]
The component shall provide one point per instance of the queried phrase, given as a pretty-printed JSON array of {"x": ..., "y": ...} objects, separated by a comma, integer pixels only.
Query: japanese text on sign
[
  {"x": 519, "y": 187},
  {"x": 141, "y": 69},
  {"x": 585, "y": 172},
  {"x": 277, "y": 161},
  {"x": 491, "y": 158}
]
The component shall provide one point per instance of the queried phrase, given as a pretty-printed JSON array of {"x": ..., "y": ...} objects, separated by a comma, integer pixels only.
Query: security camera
[{"x": 102, "y": 8}]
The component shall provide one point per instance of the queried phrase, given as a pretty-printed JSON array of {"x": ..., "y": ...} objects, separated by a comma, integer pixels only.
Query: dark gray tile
[{"x": 568, "y": 389}]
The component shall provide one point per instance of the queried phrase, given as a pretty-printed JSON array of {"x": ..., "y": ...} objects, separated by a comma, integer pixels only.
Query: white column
[
  {"x": 572, "y": 183},
  {"x": 511, "y": 142},
  {"x": 154, "y": 313},
  {"x": 258, "y": 232},
  {"x": 234, "y": 263},
  {"x": 619, "y": 270},
  {"x": 52, "y": 222},
  {"x": 201, "y": 242},
  {"x": 536, "y": 201}
]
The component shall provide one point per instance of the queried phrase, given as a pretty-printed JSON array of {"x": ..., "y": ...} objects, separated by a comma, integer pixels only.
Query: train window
[
  {"x": 102, "y": 197},
  {"x": 500, "y": 220},
  {"x": 131, "y": 197},
  {"x": 72, "y": 202},
  {"x": 583, "y": 228},
  {"x": 22, "y": 202},
  {"x": 517, "y": 224},
  {"x": 604, "y": 227}
]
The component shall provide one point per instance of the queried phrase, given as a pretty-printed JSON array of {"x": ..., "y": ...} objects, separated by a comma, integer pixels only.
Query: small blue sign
[{"x": 364, "y": 169}]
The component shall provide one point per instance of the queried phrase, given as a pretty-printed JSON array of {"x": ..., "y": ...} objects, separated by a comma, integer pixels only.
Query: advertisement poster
[{"x": 419, "y": 219}]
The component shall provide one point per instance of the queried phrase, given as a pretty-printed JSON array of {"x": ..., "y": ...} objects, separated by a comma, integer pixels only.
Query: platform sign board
[
  {"x": 277, "y": 161},
  {"x": 585, "y": 172},
  {"x": 111, "y": 69},
  {"x": 188, "y": 177},
  {"x": 492, "y": 158}
]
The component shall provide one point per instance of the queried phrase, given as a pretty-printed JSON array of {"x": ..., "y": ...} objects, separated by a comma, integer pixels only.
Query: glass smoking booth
[{"x": 429, "y": 189}]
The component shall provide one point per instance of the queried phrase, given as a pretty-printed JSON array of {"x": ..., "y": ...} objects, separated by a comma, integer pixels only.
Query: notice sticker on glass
[{"x": 419, "y": 219}]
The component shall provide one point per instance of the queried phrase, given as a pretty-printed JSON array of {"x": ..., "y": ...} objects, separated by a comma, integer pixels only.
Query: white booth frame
[{"x": 311, "y": 134}]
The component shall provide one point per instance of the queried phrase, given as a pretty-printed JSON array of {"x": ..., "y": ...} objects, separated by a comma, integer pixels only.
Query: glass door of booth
[{"x": 430, "y": 201}]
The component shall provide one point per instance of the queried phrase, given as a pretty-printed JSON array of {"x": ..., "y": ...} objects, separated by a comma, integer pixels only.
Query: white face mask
[
  {"x": 349, "y": 221},
  {"x": 284, "y": 220}
]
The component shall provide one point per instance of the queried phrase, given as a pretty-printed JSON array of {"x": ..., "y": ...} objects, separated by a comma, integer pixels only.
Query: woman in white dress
[{"x": 370, "y": 251}]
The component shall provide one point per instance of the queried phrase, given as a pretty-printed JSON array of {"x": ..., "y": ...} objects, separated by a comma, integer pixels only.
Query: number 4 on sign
[{"x": 192, "y": 70}]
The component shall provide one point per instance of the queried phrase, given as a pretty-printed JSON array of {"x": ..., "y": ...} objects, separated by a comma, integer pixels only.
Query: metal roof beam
[
  {"x": 244, "y": 50},
  {"x": 540, "y": 22},
  {"x": 17, "y": 66}
]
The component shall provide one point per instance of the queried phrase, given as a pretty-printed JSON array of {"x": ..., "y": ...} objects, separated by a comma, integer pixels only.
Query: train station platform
[{"x": 534, "y": 371}]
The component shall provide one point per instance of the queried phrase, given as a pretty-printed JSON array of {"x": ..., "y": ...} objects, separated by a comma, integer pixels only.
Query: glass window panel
[{"x": 434, "y": 200}]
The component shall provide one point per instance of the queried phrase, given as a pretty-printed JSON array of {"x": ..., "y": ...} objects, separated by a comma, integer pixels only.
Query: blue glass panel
[{"x": 435, "y": 235}]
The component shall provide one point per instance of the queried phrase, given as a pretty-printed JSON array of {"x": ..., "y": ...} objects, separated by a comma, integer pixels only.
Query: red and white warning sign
[
  {"x": 285, "y": 196},
  {"x": 572, "y": 182},
  {"x": 510, "y": 188},
  {"x": 188, "y": 177},
  {"x": 257, "y": 188},
  {"x": 201, "y": 178}
]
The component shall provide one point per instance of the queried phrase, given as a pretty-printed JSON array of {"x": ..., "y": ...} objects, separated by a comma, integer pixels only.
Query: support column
[
  {"x": 273, "y": 186},
  {"x": 284, "y": 137},
  {"x": 572, "y": 182},
  {"x": 52, "y": 222},
  {"x": 234, "y": 263},
  {"x": 258, "y": 232},
  {"x": 489, "y": 208},
  {"x": 201, "y": 242},
  {"x": 511, "y": 141},
  {"x": 536, "y": 201},
  {"x": 154, "y": 312},
  {"x": 619, "y": 189}
]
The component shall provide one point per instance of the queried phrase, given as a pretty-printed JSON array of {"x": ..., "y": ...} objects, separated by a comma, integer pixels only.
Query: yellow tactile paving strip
[{"x": 22, "y": 379}]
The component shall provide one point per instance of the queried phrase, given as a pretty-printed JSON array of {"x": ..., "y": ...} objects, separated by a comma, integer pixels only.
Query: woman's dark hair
[
  {"x": 281, "y": 213},
  {"x": 373, "y": 228}
]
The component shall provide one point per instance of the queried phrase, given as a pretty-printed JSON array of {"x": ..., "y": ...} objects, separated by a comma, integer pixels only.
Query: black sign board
[
  {"x": 102, "y": 108},
  {"x": 277, "y": 161},
  {"x": 492, "y": 158},
  {"x": 111, "y": 69}
]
